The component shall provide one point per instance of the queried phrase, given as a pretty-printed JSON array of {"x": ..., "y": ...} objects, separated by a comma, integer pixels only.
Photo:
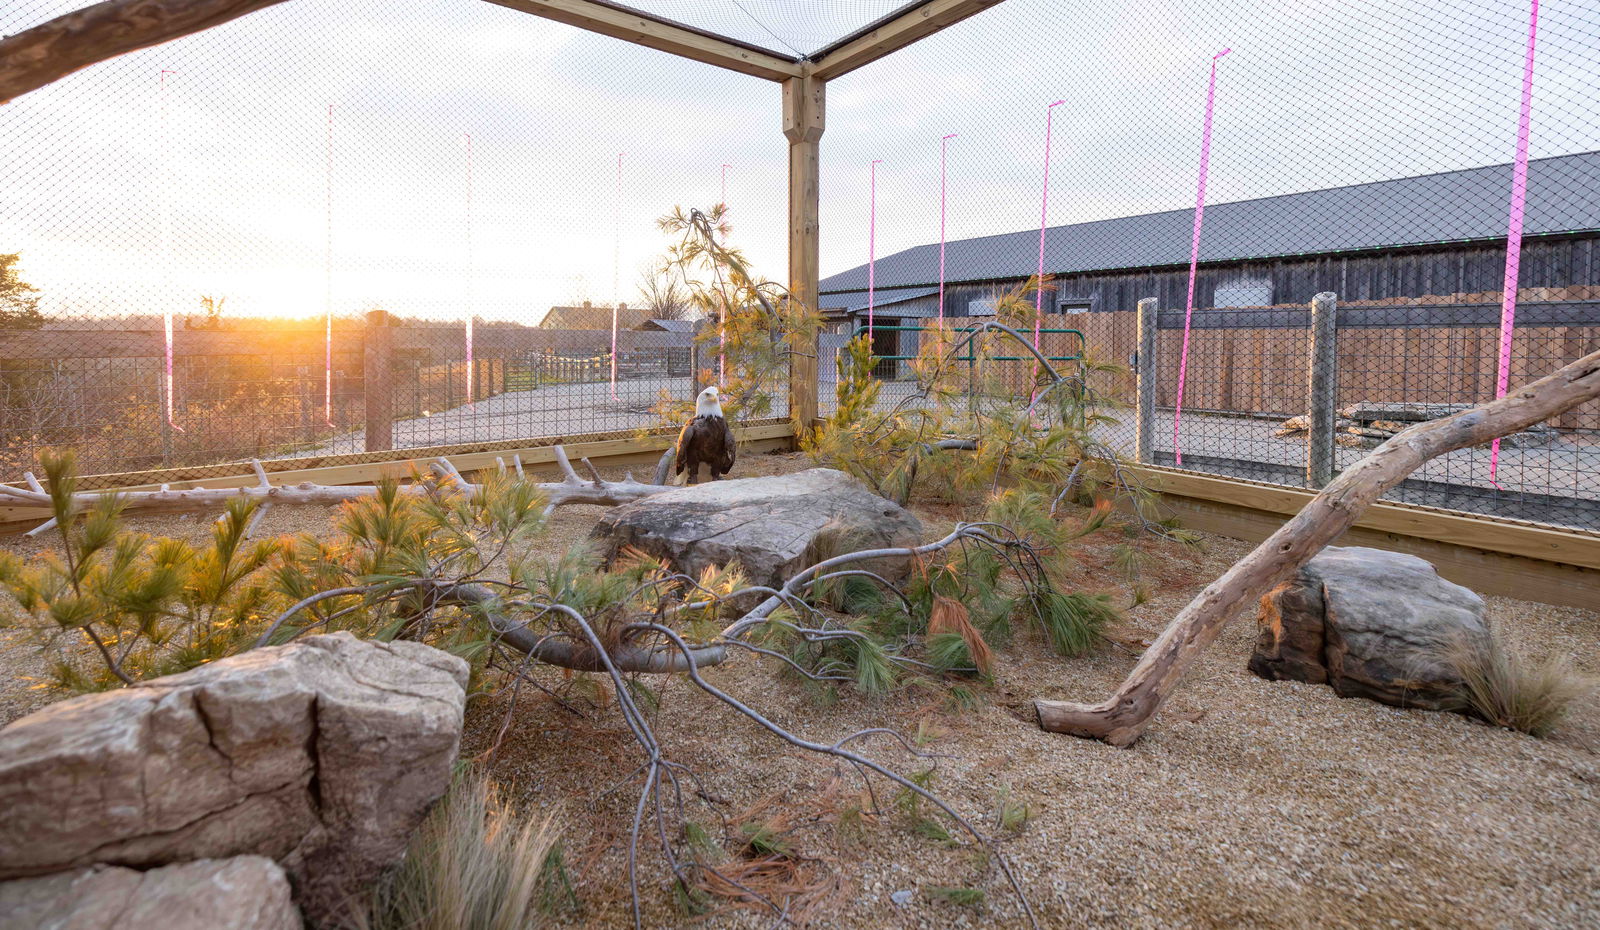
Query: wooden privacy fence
[{"x": 1254, "y": 361}]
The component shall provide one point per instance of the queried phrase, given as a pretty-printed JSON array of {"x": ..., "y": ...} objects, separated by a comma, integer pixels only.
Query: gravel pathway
[{"x": 1249, "y": 803}]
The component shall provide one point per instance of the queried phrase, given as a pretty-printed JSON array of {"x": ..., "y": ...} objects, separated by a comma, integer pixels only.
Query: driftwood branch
[
  {"x": 52, "y": 50},
  {"x": 572, "y": 490},
  {"x": 1122, "y": 717}
]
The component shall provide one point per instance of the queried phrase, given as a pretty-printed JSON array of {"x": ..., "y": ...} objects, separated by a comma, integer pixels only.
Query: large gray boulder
[
  {"x": 242, "y": 893},
  {"x": 1369, "y": 623},
  {"x": 322, "y": 755},
  {"x": 773, "y": 527}
]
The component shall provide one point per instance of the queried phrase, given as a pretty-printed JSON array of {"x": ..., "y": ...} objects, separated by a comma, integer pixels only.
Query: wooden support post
[
  {"x": 1144, "y": 442},
  {"x": 803, "y": 122},
  {"x": 1322, "y": 389},
  {"x": 377, "y": 381}
]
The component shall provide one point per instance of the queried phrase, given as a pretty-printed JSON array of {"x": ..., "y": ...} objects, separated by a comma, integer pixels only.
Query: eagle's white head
[{"x": 708, "y": 404}]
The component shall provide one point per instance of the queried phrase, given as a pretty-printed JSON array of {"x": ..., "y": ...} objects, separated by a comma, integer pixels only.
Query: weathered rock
[
  {"x": 773, "y": 527},
  {"x": 242, "y": 893},
  {"x": 1369, "y": 623},
  {"x": 322, "y": 755}
]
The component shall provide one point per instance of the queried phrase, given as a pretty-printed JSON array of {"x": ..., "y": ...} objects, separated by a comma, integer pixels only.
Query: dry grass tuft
[
  {"x": 1508, "y": 688},
  {"x": 950, "y": 616},
  {"x": 475, "y": 862}
]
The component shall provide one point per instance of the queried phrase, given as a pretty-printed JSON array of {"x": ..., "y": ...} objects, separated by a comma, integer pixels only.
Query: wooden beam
[
  {"x": 1486, "y": 572},
  {"x": 804, "y": 118},
  {"x": 52, "y": 50},
  {"x": 661, "y": 34},
  {"x": 893, "y": 34},
  {"x": 768, "y": 437},
  {"x": 1491, "y": 534}
]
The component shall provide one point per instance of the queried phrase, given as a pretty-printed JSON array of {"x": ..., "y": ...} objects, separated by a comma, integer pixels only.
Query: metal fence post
[
  {"x": 377, "y": 381},
  {"x": 1145, "y": 367},
  {"x": 1322, "y": 389}
]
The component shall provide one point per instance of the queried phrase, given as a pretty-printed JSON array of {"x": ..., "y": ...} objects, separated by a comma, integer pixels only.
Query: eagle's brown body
[{"x": 706, "y": 440}]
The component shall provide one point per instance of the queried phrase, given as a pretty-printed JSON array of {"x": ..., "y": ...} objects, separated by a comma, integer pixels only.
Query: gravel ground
[{"x": 1248, "y": 803}]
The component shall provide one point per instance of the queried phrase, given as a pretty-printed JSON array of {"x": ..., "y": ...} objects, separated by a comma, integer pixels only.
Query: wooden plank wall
[{"x": 1263, "y": 371}]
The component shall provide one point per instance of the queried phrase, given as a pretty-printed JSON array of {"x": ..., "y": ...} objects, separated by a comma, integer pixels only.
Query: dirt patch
[{"x": 1247, "y": 803}]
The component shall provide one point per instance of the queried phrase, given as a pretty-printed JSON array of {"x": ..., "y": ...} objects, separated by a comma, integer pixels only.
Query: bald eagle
[{"x": 706, "y": 440}]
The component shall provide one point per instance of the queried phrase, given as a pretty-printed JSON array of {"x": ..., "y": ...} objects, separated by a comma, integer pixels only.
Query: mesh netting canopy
[{"x": 787, "y": 27}]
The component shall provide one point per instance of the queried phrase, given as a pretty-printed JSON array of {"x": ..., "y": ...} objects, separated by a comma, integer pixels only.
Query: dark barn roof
[{"x": 1454, "y": 206}]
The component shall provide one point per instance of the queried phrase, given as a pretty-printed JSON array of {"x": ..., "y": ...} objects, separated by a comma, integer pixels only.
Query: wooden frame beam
[
  {"x": 54, "y": 49},
  {"x": 663, "y": 35},
  {"x": 893, "y": 34}
]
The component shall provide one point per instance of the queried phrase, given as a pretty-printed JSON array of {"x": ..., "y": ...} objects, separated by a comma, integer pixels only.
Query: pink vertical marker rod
[
  {"x": 166, "y": 244},
  {"x": 327, "y": 276},
  {"x": 1519, "y": 201},
  {"x": 1194, "y": 254},
  {"x": 470, "y": 379},
  {"x": 616, "y": 294},
  {"x": 943, "y": 143},
  {"x": 722, "y": 312},
  {"x": 1044, "y": 213},
  {"x": 872, "y": 245}
]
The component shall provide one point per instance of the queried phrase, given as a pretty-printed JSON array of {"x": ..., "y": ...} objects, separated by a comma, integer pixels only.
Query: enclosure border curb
[
  {"x": 1490, "y": 555},
  {"x": 601, "y": 448}
]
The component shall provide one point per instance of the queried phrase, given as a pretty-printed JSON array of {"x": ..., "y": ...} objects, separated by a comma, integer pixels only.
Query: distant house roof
[
  {"x": 855, "y": 302},
  {"x": 1454, "y": 206},
  {"x": 668, "y": 326},
  {"x": 589, "y": 316}
]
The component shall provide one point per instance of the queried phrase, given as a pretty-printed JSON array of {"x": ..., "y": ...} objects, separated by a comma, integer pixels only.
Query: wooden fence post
[
  {"x": 377, "y": 381},
  {"x": 1322, "y": 388},
  {"x": 1144, "y": 448}
]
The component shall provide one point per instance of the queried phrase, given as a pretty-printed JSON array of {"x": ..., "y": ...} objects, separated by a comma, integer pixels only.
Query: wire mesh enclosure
[{"x": 198, "y": 236}]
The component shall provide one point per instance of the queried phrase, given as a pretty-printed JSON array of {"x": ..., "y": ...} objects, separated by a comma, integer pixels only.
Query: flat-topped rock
[
  {"x": 322, "y": 755},
  {"x": 773, "y": 527}
]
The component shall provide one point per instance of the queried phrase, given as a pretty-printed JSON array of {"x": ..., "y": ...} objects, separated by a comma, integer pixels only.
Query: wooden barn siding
[
  {"x": 1380, "y": 276},
  {"x": 1263, "y": 371}
]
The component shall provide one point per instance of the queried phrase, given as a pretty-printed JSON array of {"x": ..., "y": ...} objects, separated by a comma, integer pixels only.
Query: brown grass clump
[
  {"x": 475, "y": 862},
  {"x": 951, "y": 616},
  {"x": 1508, "y": 688},
  {"x": 764, "y": 871}
]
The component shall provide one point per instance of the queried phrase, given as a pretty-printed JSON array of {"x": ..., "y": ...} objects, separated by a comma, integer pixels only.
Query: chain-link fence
[
  {"x": 1367, "y": 150},
  {"x": 490, "y": 180}
]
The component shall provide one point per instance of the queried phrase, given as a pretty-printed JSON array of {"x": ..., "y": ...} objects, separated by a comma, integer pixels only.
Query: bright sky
[{"x": 1315, "y": 94}]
